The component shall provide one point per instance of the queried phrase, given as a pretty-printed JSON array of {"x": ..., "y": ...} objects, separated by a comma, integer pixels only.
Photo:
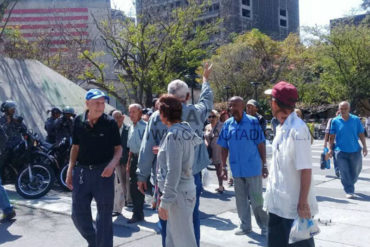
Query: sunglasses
[{"x": 212, "y": 116}]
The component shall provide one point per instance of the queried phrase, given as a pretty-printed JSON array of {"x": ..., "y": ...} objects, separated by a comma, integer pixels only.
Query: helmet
[
  {"x": 68, "y": 110},
  {"x": 7, "y": 105},
  {"x": 55, "y": 110}
]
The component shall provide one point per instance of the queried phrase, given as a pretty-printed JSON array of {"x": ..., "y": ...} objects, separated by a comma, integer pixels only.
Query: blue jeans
[
  {"x": 350, "y": 165},
  {"x": 196, "y": 217},
  {"x": 4, "y": 200}
]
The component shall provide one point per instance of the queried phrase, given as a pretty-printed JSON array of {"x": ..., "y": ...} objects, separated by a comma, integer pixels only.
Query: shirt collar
[
  {"x": 289, "y": 121},
  {"x": 85, "y": 120},
  {"x": 244, "y": 118}
]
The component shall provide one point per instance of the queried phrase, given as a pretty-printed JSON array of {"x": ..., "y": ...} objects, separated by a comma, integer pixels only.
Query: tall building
[
  {"x": 59, "y": 22},
  {"x": 276, "y": 18}
]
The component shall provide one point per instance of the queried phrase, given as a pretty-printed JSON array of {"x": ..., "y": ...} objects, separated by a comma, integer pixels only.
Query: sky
[{"x": 312, "y": 12}]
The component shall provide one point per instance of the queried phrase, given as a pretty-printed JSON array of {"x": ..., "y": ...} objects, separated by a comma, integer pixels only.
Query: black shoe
[
  {"x": 9, "y": 216},
  {"x": 114, "y": 214},
  {"x": 135, "y": 220}
]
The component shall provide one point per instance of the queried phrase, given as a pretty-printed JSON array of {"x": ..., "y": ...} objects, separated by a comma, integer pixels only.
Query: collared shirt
[
  {"x": 97, "y": 143},
  {"x": 195, "y": 115},
  {"x": 242, "y": 140},
  {"x": 135, "y": 136},
  {"x": 291, "y": 152},
  {"x": 346, "y": 133}
]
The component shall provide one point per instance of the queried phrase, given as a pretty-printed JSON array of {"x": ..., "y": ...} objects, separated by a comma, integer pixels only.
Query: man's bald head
[
  {"x": 236, "y": 99},
  {"x": 344, "y": 109},
  {"x": 345, "y": 103},
  {"x": 236, "y": 107},
  {"x": 118, "y": 117}
]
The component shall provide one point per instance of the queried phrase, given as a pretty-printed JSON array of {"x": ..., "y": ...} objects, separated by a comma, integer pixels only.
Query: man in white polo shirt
[{"x": 289, "y": 188}]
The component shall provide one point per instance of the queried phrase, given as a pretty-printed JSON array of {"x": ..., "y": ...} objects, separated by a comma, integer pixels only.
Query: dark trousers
[
  {"x": 136, "y": 195},
  {"x": 89, "y": 184},
  {"x": 196, "y": 216},
  {"x": 278, "y": 233}
]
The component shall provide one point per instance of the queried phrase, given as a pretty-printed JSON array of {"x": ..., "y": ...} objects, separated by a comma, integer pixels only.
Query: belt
[{"x": 92, "y": 167}]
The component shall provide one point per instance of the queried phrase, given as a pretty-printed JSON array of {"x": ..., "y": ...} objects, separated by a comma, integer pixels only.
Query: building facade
[{"x": 276, "y": 18}]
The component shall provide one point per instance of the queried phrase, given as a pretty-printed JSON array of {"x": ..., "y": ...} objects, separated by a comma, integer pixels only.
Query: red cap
[{"x": 285, "y": 92}]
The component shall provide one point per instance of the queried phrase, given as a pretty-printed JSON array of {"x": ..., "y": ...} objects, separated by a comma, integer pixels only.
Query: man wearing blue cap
[{"x": 96, "y": 150}]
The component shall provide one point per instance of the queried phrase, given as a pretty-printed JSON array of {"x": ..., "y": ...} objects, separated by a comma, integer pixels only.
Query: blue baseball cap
[{"x": 95, "y": 94}]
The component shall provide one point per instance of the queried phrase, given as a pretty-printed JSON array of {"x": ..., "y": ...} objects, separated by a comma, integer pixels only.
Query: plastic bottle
[{"x": 327, "y": 162}]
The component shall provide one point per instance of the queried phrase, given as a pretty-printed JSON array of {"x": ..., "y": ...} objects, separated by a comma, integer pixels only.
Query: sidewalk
[{"x": 344, "y": 222}]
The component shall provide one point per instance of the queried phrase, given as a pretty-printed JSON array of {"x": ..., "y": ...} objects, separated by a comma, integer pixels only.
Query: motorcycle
[
  {"x": 28, "y": 167},
  {"x": 59, "y": 154}
]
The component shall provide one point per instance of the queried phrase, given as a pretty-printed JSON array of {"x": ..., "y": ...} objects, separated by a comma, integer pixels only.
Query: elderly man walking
[
  {"x": 346, "y": 129},
  {"x": 195, "y": 115},
  {"x": 243, "y": 138},
  {"x": 289, "y": 188},
  {"x": 135, "y": 137},
  {"x": 96, "y": 150},
  {"x": 121, "y": 182}
]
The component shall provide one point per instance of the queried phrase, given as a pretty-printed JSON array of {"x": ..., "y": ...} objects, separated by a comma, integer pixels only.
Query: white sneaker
[
  {"x": 350, "y": 196},
  {"x": 242, "y": 232}
]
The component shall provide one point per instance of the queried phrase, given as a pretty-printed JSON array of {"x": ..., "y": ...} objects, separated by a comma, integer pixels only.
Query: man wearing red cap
[{"x": 289, "y": 188}]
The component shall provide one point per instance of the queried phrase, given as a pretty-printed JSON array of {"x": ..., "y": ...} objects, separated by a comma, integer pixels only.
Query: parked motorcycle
[
  {"x": 28, "y": 167},
  {"x": 59, "y": 154}
]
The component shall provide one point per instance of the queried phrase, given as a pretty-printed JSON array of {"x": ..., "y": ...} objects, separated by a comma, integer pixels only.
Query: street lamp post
[
  {"x": 255, "y": 85},
  {"x": 227, "y": 88}
]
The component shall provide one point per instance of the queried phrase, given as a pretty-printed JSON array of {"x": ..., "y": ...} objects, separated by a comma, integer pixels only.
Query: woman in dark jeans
[{"x": 211, "y": 135}]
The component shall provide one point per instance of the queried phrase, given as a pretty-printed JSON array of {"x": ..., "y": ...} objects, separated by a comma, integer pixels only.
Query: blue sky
[{"x": 312, "y": 12}]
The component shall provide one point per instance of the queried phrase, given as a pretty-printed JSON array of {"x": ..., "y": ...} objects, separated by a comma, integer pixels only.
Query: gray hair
[
  {"x": 138, "y": 106},
  {"x": 116, "y": 112},
  {"x": 345, "y": 103},
  {"x": 179, "y": 89}
]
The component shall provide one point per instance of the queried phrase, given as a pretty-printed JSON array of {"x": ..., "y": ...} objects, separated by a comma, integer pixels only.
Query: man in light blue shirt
[
  {"x": 243, "y": 140},
  {"x": 135, "y": 136},
  {"x": 347, "y": 129}
]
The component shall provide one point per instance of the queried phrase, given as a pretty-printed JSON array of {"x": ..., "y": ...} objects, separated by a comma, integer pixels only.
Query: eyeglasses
[{"x": 212, "y": 116}]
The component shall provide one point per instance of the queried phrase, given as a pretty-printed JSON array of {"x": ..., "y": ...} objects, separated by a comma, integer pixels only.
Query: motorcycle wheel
[
  {"x": 62, "y": 178},
  {"x": 37, "y": 185}
]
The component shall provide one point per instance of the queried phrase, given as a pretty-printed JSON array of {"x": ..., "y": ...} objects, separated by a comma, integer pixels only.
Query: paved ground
[{"x": 46, "y": 222}]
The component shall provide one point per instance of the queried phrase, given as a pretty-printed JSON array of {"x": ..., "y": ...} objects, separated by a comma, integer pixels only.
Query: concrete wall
[{"x": 36, "y": 88}]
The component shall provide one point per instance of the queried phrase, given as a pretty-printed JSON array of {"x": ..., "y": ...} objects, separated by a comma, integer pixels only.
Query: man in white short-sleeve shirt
[{"x": 289, "y": 188}]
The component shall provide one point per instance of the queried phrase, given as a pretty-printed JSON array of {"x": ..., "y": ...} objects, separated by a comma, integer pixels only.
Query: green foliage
[
  {"x": 344, "y": 55},
  {"x": 155, "y": 51},
  {"x": 333, "y": 68}
]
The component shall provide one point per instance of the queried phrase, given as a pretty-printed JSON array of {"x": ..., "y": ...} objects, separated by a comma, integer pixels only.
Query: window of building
[
  {"x": 283, "y": 18},
  {"x": 283, "y": 23},
  {"x": 246, "y": 2},
  {"x": 216, "y": 7},
  {"x": 246, "y": 13},
  {"x": 246, "y": 8},
  {"x": 283, "y": 12}
]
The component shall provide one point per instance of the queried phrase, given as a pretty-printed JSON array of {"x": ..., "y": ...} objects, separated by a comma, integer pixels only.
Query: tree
[
  {"x": 155, "y": 50},
  {"x": 365, "y": 5},
  {"x": 252, "y": 57},
  {"x": 6, "y": 8},
  {"x": 346, "y": 63}
]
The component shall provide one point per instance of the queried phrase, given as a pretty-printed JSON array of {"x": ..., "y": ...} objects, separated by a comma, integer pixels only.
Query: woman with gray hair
[{"x": 212, "y": 132}]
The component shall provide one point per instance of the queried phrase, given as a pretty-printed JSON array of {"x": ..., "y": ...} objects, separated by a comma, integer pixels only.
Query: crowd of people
[{"x": 165, "y": 149}]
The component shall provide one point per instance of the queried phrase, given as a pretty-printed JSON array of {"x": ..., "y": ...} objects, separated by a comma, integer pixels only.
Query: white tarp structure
[{"x": 36, "y": 88}]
